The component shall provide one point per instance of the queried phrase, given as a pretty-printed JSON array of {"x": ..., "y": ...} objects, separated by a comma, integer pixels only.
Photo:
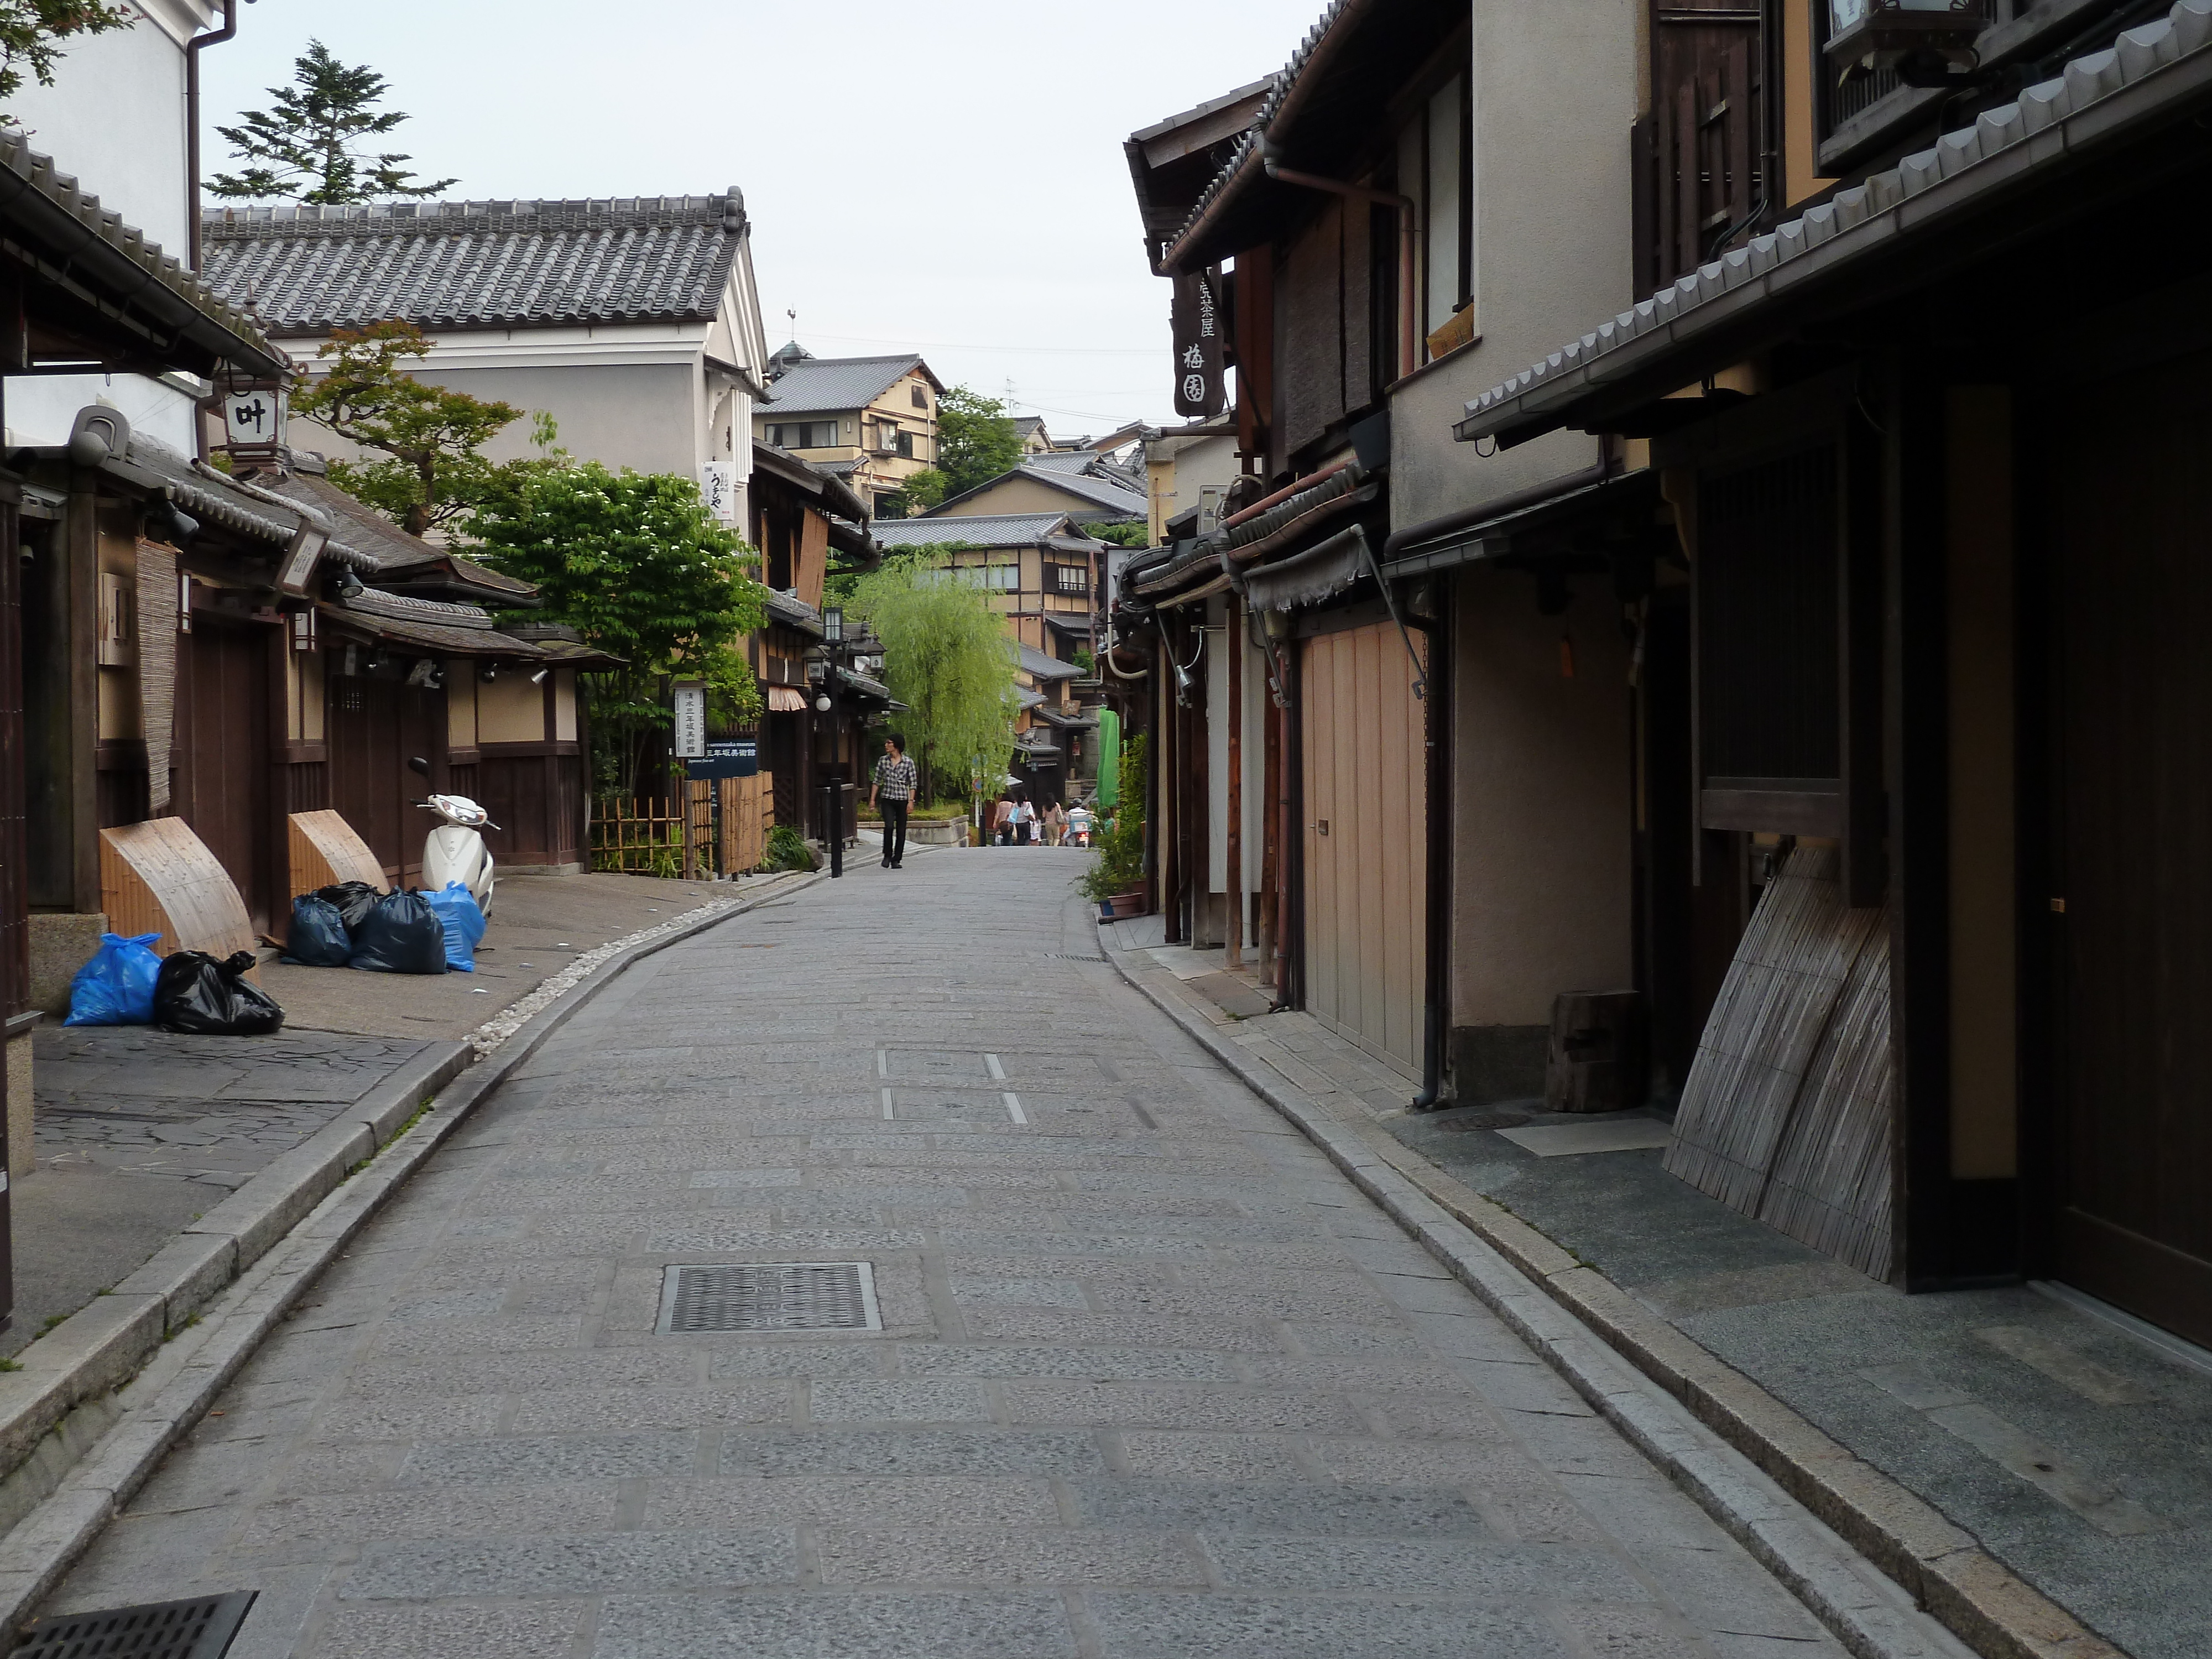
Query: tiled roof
[
  {"x": 1038, "y": 665},
  {"x": 822, "y": 385},
  {"x": 986, "y": 530},
  {"x": 1865, "y": 212},
  {"x": 435, "y": 633},
  {"x": 42, "y": 206},
  {"x": 1089, "y": 483},
  {"x": 476, "y": 264}
]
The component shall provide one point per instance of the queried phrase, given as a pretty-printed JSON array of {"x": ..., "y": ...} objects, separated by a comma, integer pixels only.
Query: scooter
[{"x": 454, "y": 850}]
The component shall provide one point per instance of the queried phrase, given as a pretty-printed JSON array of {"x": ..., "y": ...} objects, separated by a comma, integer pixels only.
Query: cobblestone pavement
[
  {"x": 136, "y": 1101},
  {"x": 1153, "y": 1380}
]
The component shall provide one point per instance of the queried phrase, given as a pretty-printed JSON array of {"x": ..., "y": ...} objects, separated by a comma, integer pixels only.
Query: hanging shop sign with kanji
[{"x": 1200, "y": 331}]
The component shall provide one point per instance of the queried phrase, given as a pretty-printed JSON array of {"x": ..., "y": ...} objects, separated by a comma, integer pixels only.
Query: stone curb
[
  {"x": 1732, "y": 1446},
  {"x": 146, "y": 1373}
]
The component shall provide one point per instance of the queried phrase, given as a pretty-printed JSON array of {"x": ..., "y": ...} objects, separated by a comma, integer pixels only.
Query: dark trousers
[{"x": 895, "y": 831}]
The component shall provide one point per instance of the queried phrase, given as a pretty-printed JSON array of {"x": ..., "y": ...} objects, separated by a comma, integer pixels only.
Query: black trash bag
[
  {"x": 199, "y": 996},
  {"x": 354, "y": 900},
  {"x": 318, "y": 935},
  {"x": 402, "y": 935}
]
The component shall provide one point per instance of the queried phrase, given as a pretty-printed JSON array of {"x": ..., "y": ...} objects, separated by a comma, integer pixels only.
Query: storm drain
[
  {"x": 201, "y": 1628},
  {"x": 1072, "y": 955},
  {"x": 770, "y": 1295}
]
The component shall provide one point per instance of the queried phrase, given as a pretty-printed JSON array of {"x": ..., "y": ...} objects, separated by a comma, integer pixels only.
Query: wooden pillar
[
  {"x": 1233, "y": 640},
  {"x": 81, "y": 581},
  {"x": 1271, "y": 796}
]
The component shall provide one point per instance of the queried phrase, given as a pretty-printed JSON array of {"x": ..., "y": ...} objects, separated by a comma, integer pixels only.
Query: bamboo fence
[{"x": 712, "y": 828}]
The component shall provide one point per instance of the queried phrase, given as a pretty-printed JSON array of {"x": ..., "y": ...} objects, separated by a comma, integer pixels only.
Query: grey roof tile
[
  {"x": 822, "y": 385},
  {"x": 986, "y": 530},
  {"x": 476, "y": 264}
]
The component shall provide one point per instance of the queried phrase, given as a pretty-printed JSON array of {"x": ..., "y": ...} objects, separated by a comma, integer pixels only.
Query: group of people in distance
[{"x": 1014, "y": 820}]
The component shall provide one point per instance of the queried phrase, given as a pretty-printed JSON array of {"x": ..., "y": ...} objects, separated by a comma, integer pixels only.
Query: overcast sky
[{"x": 939, "y": 175}]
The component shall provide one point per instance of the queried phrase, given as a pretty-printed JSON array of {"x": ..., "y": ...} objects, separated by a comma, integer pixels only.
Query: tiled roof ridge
[
  {"x": 2138, "y": 52},
  {"x": 278, "y": 220},
  {"x": 41, "y": 174},
  {"x": 1248, "y": 146}
]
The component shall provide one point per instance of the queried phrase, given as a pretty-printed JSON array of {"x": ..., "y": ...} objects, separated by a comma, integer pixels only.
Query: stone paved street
[{"x": 1154, "y": 1380}]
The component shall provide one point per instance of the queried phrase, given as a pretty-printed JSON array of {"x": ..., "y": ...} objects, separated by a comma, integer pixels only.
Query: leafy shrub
[
  {"x": 787, "y": 850},
  {"x": 1118, "y": 866}
]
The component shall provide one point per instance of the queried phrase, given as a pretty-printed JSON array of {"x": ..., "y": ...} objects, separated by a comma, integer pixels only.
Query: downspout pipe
[
  {"x": 193, "y": 48},
  {"x": 1408, "y": 234},
  {"x": 1436, "y": 733}
]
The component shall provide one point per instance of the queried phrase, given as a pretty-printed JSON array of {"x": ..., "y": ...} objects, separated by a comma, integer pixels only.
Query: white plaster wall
[
  {"x": 645, "y": 415},
  {"x": 115, "y": 119},
  {"x": 1540, "y": 900},
  {"x": 1555, "y": 92}
]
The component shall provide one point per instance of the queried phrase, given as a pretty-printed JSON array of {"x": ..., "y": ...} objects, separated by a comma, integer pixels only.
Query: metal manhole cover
[
  {"x": 770, "y": 1295},
  {"x": 201, "y": 1628}
]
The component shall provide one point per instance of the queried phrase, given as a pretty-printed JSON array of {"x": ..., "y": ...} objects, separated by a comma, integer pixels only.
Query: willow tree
[{"x": 947, "y": 658}]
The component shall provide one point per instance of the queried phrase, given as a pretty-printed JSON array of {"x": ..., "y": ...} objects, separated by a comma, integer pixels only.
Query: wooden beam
[{"x": 1233, "y": 637}]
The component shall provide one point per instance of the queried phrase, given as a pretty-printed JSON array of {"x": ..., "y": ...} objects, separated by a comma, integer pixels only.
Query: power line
[{"x": 964, "y": 345}]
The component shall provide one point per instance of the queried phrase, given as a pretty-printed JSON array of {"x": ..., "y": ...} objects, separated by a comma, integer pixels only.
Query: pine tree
[{"x": 307, "y": 147}]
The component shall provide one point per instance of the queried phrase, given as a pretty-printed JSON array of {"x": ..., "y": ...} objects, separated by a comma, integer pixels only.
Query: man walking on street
[{"x": 894, "y": 781}]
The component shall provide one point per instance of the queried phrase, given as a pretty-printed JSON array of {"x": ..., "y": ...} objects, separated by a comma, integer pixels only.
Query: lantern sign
[
  {"x": 1199, "y": 326},
  {"x": 253, "y": 414},
  {"x": 718, "y": 488},
  {"x": 690, "y": 734}
]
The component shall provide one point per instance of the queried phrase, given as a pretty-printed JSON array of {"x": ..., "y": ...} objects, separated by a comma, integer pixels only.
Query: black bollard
[{"x": 833, "y": 830}]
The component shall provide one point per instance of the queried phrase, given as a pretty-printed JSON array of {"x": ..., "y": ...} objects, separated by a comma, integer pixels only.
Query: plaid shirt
[{"x": 895, "y": 778}]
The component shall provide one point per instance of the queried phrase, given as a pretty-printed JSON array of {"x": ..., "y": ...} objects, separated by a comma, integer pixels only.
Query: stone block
[
  {"x": 1035, "y": 1555},
  {"x": 980, "y": 1624},
  {"x": 187, "y": 1273},
  {"x": 423, "y": 1570},
  {"x": 60, "y": 944},
  {"x": 1137, "y": 1626},
  {"x": 279, "y": 1198}
]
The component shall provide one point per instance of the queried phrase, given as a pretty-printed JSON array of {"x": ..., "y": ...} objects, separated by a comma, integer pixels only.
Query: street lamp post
[{"x": 825, "y": 704}]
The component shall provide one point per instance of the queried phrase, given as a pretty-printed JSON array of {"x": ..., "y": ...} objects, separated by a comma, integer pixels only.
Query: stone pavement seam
[
  {"x": 1854, "y": 1509},
  {"x": 133, "y": 1340}
]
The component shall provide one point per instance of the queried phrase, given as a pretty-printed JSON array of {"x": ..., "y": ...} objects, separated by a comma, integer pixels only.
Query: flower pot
[{"x": 1126, "y": 904}]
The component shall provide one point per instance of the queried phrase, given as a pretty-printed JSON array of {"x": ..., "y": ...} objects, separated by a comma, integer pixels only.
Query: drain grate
[
  {"x": 770, "y": 1295},
  {"x": 201, "y": 1628},
  {"x": 1072, "y": 955}
]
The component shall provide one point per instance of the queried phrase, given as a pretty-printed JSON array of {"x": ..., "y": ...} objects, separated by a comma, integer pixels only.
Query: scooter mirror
[{"x": 418, "y": 765}]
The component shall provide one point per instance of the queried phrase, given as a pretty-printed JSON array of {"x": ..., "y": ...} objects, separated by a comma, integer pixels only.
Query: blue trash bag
[
  {"x": 318, "y": 937},
  {"x": 464, "y": 924},
  {"x": 116, "y": 987}
]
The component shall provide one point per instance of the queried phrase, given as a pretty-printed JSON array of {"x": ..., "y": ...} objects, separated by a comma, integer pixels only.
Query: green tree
[
  {"x": 1130, "y": 533},
  {"x": 436, "y": 475},
  {"x": 635, "y": 563},
  {"x": 947, "y": 658},
  {"x": 976, "y": 440},
  {"x": 922, "y": 490},
  {"x": 30, "y": 30},
  {"x": 308, "y": 147}
]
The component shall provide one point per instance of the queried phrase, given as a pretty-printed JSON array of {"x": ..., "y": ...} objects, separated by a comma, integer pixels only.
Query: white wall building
[
  {"x": 116, "y": 119},
  {"x": 634, "y": 323}
]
